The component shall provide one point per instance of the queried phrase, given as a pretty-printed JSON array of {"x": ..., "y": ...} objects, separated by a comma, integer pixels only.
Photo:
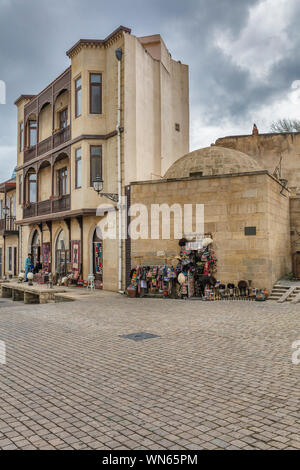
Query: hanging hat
[
  {"x": 181, "y": 278},
  {"x": 206, "y": 242}
]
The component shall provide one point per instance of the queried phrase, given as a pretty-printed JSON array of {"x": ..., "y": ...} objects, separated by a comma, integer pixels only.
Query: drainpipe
[
  {"x": 119, "y": 54},
  {"x": 4, "y": 241}
]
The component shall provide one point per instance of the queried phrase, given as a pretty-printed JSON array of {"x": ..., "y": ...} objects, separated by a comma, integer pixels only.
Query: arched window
[
  {"x": 36, "y": 248},
  {"x": 61, "y": 253},
  {"x": 32, "y": 196},
  {"x": 32, "y": 132}
]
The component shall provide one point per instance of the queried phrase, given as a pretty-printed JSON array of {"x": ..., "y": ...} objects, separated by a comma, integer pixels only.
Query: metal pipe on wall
[{"x": 119, "y": 54}]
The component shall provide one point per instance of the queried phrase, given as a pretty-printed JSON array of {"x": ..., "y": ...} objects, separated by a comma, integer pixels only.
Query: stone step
[{"x": 281, "y": 293}]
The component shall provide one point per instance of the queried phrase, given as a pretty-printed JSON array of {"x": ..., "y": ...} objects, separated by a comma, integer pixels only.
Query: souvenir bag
[{"x": 154, "y": 281}]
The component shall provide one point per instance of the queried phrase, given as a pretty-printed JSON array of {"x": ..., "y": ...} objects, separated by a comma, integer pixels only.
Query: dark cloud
[{"x": 35, "y": 34}]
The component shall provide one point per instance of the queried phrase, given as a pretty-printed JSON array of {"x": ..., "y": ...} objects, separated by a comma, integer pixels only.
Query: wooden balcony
[
  {"x": 29, "y": 154},
  {"x": 61, "y": 136},
  {"x": 48, "y": 96},
  {"x": 62, "y": 203},
  {"x": 46, "y": 145},
  {"x": 8, "y": 224},
  {"x": 50, "y": 206}
]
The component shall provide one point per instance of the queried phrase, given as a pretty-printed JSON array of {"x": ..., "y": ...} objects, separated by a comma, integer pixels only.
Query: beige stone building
[
  {"x": 279, "y": 154},
  {"x": 246, "y": 210},
  {"x": 117, "y": 120},
  {"x": 9, "y": 240},
  {"x": 119, "y": 113}
]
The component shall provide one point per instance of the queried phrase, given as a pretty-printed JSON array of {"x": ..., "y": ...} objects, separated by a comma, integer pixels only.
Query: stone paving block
[{"x": 219, "y": 376}]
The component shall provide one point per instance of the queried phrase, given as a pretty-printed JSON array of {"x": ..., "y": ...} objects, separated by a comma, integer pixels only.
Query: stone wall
[
  {"x": 231, "y": 204},
  {"x": 295, "y": 223},
  {"x": 267, "y": 149}
]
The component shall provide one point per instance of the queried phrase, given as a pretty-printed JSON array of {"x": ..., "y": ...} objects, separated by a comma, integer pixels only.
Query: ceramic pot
[{"x": 131, "y": 292}]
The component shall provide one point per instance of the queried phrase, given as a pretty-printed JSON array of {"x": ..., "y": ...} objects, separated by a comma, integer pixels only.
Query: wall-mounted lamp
[{"x": 98, "y": 187}]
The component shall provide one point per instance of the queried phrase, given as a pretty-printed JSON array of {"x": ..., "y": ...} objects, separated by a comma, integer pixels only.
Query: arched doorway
[
  {"x": 36, "y": 248},
  {"x": 61, "y": 253},
  {"x": 97, "y": 249}
]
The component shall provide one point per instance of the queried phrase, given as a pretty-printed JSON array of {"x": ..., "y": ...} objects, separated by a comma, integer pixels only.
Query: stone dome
[{"x": 212, "y": 160}]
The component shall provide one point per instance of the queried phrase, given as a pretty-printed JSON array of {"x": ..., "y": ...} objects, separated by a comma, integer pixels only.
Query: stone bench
[
  {"x": 17, "y": 295},
  {"x": 29, "y": 294},
  {"x": 6, "y": 292}
]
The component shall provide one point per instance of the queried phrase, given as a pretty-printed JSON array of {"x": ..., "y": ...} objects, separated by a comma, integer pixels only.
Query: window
[
  {"x": 13, "y": 212},
  {"x": 78, "y": 168},
  {"x": 21, "y": 141},
  {"x": 62, "y": 181},
  {"x": 32, "y": 133},
  {"x": 95, "y": 93},
  {"x": 32, "y": 187},
  {"x": 63, "y": 118},
  {"x": 78, "y": 97},
  {"x": 10, "y": 206},
  {"x": 20, "y": 189},
  {"x": 95, "y": 163},
  {"x": 1, "y": 209}
]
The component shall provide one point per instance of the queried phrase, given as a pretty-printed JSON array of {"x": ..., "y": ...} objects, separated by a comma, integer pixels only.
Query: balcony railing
[
  {"x": 29, "y": 154},
  {"x": 61, "y": 204},
  {"x": 44, "y": 146},
  {"x": 60, "y": 137},
  {"x": 8, "y": 224},
  {"x": 50, "y": 206}
]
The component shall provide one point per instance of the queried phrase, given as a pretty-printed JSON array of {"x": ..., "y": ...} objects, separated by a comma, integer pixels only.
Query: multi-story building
[
  {"x": 9, "y": 240},
  {"x": 119, "y": 113}
]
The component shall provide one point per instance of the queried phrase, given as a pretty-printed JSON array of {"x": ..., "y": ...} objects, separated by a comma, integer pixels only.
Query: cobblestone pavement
[{"x": 219, "y": 376}]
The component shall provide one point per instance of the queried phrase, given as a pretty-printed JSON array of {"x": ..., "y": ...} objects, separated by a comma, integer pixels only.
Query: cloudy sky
[{"x": 243, "y": 55}]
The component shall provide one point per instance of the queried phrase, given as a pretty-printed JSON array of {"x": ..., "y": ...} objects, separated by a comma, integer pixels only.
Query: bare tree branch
[{"x": 285, "y": 125}]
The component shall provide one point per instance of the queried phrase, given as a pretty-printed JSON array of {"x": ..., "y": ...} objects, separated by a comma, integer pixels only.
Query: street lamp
[{"x": 98, "y": 187}]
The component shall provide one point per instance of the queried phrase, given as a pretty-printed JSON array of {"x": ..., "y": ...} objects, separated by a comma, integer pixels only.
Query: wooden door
[
  {"x": 296, "y": 265},
  {"x": 15, "y": 261}
]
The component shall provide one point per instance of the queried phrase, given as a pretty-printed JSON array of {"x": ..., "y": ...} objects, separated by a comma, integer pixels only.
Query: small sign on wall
[{"x": 250, "y": 231}]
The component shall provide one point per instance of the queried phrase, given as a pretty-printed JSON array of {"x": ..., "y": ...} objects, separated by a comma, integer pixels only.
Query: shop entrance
[
  {"x": 97, "y": 257},
  {"x": 36, "y": 248},
  {"x": 61, "y": 254}
]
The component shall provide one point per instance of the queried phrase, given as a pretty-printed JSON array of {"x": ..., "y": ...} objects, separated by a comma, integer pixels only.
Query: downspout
[
  {"x": 119, "y": 54},
  {"x": 4, "y": 244},
  {"x": 20, "y": 249}
]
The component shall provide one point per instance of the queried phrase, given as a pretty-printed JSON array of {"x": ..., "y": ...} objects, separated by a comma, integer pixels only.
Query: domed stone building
[
  {"x": 211, "y": 161},
  {"x": 246, "y": 212}
]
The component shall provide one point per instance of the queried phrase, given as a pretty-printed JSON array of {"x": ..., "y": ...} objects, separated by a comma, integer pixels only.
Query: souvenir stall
[
  {"x": 152, "y": 280},
  {"x": 196, "y": 266},
  {"x": 193, "y": 277},
  {"x": 186, "y": 279}
]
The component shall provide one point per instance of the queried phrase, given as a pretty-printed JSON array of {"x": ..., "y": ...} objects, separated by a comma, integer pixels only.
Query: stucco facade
[
  {"x": 56, "y": 204},
  {"x": 9, "y": 240}
]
